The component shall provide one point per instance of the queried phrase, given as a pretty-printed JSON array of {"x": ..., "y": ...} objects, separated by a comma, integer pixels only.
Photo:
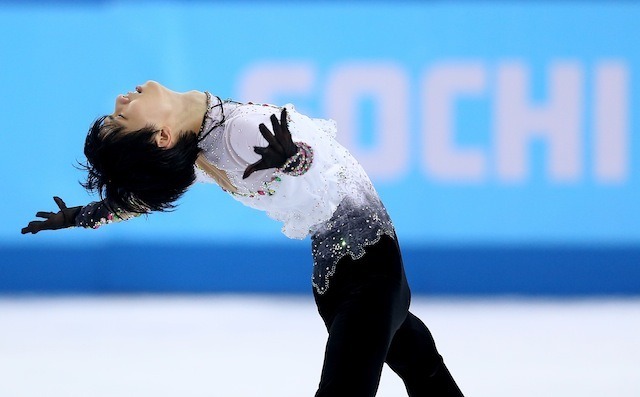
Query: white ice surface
[{"x": 264, "y": 346}]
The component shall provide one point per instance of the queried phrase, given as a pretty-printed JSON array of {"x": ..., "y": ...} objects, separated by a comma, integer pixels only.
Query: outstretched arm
[{"x": 92, "y": 216}]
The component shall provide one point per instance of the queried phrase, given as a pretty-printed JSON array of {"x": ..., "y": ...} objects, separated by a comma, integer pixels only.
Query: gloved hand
[
  {"x": 64, "y": 218},
  {"x": 280, "y": 146}
]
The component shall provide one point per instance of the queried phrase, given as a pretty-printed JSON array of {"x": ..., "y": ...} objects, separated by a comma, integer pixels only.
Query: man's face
[{"x": 148, "y": 105}]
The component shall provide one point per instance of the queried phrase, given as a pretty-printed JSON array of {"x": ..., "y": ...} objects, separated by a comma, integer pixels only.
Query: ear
[{"x": 164, "y": 139}]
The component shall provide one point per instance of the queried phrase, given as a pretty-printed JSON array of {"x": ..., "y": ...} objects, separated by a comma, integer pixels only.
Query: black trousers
[{"x": 366, "y": 311}]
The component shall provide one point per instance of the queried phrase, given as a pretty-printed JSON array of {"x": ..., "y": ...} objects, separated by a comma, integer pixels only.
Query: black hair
[{"x": 132, "y": 173}]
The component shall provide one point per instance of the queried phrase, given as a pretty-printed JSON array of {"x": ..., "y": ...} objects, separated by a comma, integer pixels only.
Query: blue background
[{"x": 63, "y": 63}]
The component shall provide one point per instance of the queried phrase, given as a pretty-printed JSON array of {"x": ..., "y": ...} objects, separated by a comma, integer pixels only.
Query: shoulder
[{"x": 250, "y": 111}]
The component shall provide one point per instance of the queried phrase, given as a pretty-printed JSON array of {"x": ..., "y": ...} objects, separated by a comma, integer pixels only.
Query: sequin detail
[
  {"x": 266, "y": 190},
  {"x": 97, "y": 213},
  {"x": 352, "y": 228},
  {"x": 299, "y": 163}
]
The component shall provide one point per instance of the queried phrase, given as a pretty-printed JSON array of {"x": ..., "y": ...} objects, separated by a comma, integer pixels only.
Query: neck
[{"x": 191, "y": 106}]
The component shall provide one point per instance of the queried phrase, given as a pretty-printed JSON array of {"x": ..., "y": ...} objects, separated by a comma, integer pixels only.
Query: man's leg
[
  {"x": 414, "y": 357},
  {"x": 367, "y": 301}
]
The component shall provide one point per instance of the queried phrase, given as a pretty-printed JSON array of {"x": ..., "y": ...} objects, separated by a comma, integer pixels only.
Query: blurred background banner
[{"x": 502, "y": 136}]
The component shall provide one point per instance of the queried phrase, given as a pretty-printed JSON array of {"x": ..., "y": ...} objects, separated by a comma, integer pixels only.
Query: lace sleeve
[{"x": 99, "y": 213}]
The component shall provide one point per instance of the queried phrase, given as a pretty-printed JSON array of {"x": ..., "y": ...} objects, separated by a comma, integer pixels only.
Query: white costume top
[{"x": 334, "y": 201}]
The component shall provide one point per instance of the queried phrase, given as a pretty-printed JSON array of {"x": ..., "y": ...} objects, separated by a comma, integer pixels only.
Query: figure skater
[{"x": 157, "y": 143}]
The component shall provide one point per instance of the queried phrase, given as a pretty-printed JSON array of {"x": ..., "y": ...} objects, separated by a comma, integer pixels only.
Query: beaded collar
[
  {"x": 204, "y": 117},
  {"x": 210, "y": 106}
]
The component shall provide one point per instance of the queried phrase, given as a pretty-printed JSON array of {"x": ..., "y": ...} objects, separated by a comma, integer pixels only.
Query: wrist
[
  {"x": 69, "y": 215},
  {"x": 299, "y": 163}
]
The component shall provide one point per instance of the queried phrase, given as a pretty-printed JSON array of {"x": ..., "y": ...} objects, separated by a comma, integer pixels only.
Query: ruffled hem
[{"x": 352, "y": 228}]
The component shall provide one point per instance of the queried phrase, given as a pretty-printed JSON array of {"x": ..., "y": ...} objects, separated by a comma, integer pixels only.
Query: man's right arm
[{"x": 91, "y": 216}]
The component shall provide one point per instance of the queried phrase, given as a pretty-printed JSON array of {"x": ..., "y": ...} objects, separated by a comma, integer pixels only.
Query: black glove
[
  {"x": 64, "y": 218},
  {"x": 280, "y": 146}
]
